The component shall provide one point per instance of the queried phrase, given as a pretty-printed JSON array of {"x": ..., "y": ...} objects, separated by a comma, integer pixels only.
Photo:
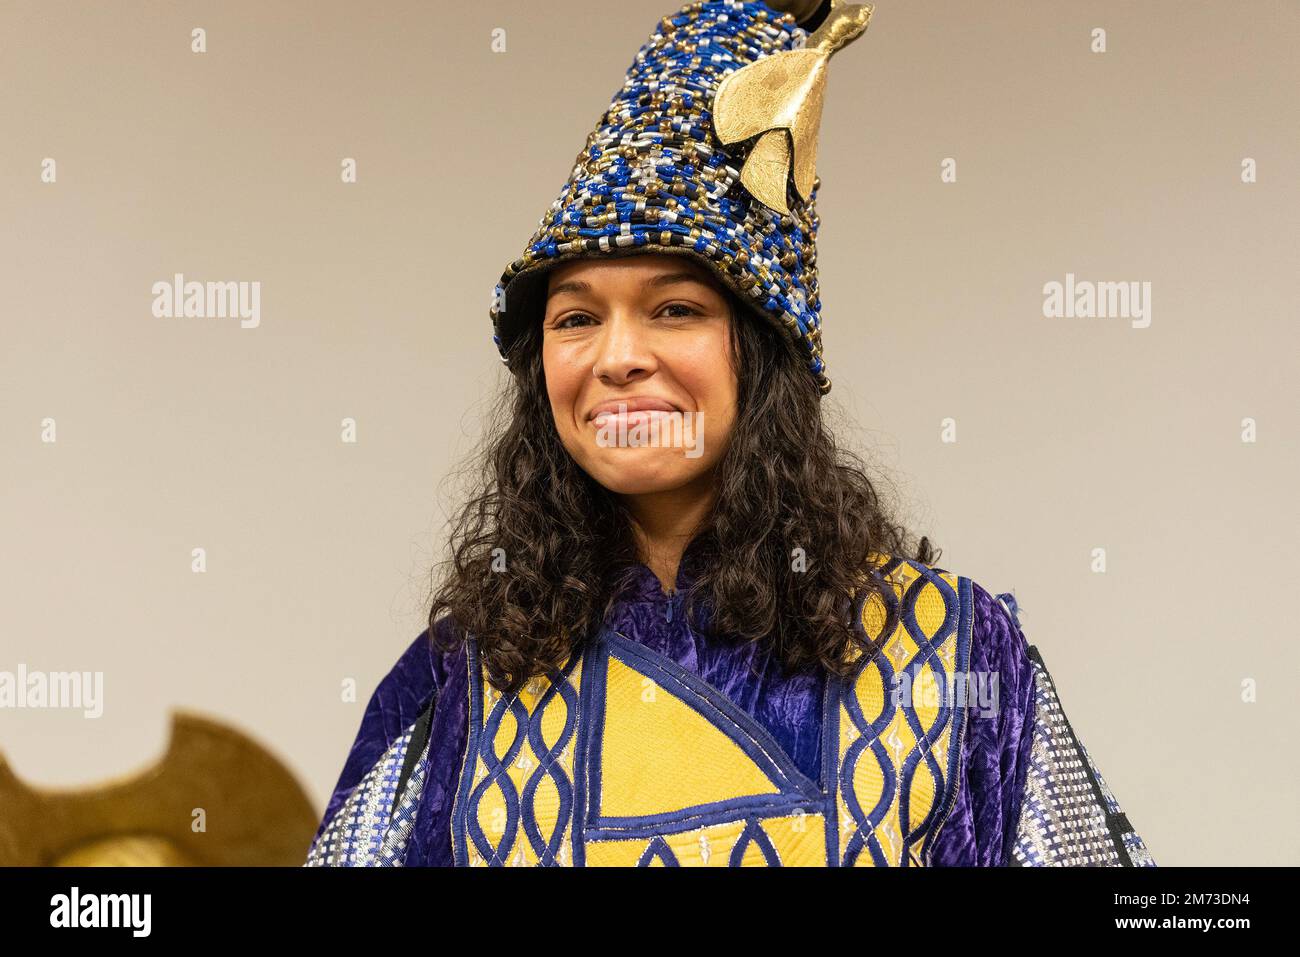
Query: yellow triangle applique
[{"x": 660, "y": 755}]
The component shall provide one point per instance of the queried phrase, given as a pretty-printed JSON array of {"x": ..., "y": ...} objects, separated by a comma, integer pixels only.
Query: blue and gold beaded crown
[{"x": 708, "y": 150}]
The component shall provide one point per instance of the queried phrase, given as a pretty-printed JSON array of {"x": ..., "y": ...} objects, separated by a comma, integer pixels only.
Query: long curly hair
[{"x": 540, "y": 551}]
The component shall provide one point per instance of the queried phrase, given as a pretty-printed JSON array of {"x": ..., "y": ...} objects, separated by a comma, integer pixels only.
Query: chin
[{"x": 644, "y": 471}]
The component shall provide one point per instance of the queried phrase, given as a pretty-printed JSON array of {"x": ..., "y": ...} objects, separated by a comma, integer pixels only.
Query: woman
[{"x": 679, "y": 626}]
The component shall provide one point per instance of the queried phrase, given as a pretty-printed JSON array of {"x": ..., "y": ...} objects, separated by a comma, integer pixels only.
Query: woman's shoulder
[
  {"x": 420, "y": 671},
  {"x": 410, "y": 684},
  {"x": 1032, "y": 784}
]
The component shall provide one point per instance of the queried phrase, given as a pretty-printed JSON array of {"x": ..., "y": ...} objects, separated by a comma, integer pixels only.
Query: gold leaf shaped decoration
[{"x": 779, "y": 100}]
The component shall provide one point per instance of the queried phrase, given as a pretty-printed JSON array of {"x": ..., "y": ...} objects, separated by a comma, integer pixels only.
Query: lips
[{"x": 638, "y": 403}]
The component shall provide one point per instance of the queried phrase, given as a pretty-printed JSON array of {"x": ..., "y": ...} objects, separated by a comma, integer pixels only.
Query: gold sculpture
[
  {"x": 779, "y": 100},
  {"x": 253, "y": 811}
]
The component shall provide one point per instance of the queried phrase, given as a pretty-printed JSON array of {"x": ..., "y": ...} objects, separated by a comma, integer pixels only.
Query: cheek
[
  {"x": 703, "y": 370},
  {"x": 562, "y": 383},
  {"x": 704, "y": 364}
]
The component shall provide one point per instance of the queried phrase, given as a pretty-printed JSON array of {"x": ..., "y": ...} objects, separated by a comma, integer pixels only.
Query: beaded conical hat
[{"x": 708, "y": 150}]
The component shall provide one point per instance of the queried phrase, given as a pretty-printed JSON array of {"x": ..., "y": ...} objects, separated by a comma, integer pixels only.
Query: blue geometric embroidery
[
  {"x": 519, "y": 807},
  {"x": 754, "y": 834},
  {"x": 869, "y": 744},
  {"x": 547, "y": 847},
  {"x": 796, "y": 792},
  {"x": 658, "y": 850}
]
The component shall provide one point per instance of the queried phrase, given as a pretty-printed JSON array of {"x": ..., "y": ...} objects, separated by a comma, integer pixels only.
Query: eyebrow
[{"x": 654, "y": 282}]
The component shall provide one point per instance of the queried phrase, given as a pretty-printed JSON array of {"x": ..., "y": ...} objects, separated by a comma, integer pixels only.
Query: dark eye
[
  {"x": 564, "y": 323},
  {"x": 689, "y": 311}
]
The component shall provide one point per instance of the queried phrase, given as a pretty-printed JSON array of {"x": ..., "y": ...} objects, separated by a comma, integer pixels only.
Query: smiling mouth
[
  {"x": 634, "y": 408},
  {"x": 633, "y": 418}
]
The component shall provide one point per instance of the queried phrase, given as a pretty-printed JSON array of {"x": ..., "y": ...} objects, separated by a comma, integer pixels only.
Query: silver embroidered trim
[
  {"x": 1062, "y": 823},
  {"x": 393, "y": 850},
  {"x": 367, "y": 831}
]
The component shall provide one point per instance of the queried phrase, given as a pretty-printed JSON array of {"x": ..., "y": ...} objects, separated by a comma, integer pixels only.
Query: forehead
[{"x": 594, "y": 269}]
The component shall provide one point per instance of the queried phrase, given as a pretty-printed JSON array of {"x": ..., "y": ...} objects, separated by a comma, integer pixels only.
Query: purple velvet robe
[{"x": 980, "y": 830}]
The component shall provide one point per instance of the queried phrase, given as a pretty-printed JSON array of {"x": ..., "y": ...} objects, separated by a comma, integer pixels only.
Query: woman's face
[{"x": 651, "y": 331}]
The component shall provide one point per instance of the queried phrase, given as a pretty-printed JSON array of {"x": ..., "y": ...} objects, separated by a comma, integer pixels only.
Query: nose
[{"x": 622, "y": 352}]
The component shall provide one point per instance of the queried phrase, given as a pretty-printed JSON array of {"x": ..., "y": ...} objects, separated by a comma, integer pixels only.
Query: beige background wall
[{"x": 1072, "y": 434}]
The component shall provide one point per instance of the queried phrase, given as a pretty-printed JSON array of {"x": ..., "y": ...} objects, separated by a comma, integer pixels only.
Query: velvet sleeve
[{"x": 980, "y": 829}]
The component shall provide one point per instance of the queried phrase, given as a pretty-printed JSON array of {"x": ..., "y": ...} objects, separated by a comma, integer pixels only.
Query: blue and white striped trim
[
  {"x": 1069, "y": 817},
  {"x": 368, "y": 831}
]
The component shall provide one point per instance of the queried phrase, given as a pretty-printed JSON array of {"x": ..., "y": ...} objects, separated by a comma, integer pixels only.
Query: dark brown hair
[{"x": 566, "y": 542}]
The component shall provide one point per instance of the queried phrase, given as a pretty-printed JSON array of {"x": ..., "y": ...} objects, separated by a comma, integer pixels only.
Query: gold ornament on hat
[{"x": 779, "y": 100}]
